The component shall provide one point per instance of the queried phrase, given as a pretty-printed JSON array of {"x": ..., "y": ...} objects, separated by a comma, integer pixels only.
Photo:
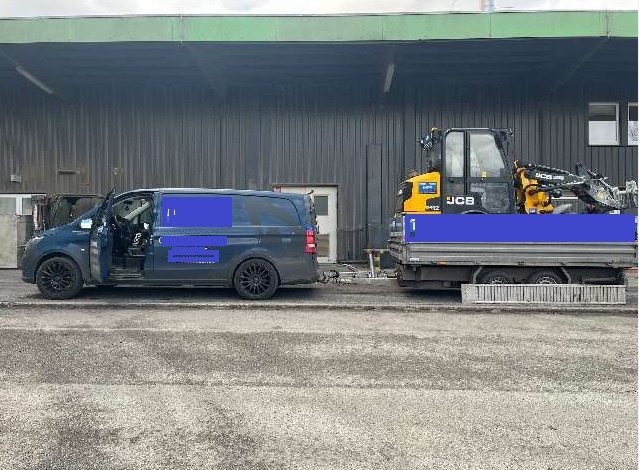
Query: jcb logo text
[
  {"x": 460, "y": 200},
  {"x": 545, "y": 176}
]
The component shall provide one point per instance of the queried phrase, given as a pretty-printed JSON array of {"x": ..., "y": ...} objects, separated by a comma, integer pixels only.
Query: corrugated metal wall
[
  {"x": 564, "y": 132},
  {"x": 478, "y": 106},
  {"x": 297, "y": 135}
]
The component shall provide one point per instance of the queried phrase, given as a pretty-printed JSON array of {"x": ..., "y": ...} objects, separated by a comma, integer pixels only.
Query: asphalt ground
[
  {"x": 377, "y": 294},
  {"x": 94, "y": 388}
]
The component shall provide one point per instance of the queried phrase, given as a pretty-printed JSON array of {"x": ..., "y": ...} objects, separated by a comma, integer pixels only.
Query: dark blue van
[{"x": 253, "y": 241}]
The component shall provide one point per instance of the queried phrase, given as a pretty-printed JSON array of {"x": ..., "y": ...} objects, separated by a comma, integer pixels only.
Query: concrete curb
[{"x": 443, "y": 307}]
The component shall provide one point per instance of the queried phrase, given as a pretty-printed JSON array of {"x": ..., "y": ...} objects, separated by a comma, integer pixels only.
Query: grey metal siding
[
  {"x": 564, "y": 133},
  {"x": 478, "y": 106},
  {"x": 308, "y": 135}
]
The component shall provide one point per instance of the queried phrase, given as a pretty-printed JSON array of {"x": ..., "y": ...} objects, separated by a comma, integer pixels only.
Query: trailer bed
[
  {"x": 518, "y": 254},
  {"x": 451, "y": 250}
]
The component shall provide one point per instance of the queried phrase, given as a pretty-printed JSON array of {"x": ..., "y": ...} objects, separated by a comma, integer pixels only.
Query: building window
[
  {"x": 633, "y": 138},
  {"x": 603, "y": 124},
  {"x": 321, "y": 205}
]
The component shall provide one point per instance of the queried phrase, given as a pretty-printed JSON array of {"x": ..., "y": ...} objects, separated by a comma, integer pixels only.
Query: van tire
[
  {"x": 255, "y": 279},
  {"x": 59, "y": 278}
]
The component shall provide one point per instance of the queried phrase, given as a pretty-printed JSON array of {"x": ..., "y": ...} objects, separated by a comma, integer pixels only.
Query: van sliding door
[{"x": 190, "y": 236}]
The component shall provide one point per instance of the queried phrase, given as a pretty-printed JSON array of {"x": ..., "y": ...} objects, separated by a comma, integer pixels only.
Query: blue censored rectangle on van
[
  {"x": 191, "y": 254},
  {"x": 193, "y": 240},
  {"x": 519, "y": 228},
  {"x": 197, "y": 211},
  {"x": 193, "y": 248}
]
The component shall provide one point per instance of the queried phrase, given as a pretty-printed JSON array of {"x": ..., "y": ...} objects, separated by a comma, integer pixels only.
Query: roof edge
[{"x": 319, "y": 28}]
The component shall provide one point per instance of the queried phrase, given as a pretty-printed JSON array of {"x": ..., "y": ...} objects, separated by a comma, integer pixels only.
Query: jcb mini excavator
[{"x": 472, "y": 170}]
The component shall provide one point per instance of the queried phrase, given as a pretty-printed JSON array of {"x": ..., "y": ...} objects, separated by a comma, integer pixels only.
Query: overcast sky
[{"x": 10, "y": 8}]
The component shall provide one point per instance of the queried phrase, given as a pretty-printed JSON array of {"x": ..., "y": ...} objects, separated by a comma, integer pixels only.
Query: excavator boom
[{"x": 538, "y": 182}]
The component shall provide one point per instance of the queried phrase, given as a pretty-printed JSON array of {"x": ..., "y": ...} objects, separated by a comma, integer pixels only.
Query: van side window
[
  {"x": 241, "y": 216},
  {"x": 196, "y": 210},
  {"x": 273, "y": 212}
]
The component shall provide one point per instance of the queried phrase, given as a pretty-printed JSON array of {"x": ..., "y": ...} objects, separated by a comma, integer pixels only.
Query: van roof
[{"x": 214, "y": 191}]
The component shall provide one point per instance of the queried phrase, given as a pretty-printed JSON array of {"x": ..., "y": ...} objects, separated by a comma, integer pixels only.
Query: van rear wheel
[
  {"x": 59, "y": 278},
  {"x": 255, "y": 279}
]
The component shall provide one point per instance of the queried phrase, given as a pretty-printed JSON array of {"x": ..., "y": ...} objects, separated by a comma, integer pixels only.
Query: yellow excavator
[{"x": 472, "y": 171}]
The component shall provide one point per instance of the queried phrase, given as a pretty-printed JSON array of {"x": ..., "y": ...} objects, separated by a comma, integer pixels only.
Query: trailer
[{"x": 448, "y": 250}]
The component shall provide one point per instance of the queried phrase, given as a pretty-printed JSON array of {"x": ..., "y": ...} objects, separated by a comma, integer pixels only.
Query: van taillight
[{"x": 311, "y": 246}]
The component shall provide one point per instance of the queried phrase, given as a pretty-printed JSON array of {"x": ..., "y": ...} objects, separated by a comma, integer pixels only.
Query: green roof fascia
[
  {"x": 565, "y": 24},
  {"x": 330, "y": 28}
]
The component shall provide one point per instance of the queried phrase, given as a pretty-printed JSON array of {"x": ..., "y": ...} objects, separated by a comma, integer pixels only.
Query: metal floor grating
[{"x": 573, "y": 294}]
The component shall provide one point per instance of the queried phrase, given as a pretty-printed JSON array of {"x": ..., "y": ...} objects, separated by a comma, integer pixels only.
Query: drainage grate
[{"x": 543, "y": 294}]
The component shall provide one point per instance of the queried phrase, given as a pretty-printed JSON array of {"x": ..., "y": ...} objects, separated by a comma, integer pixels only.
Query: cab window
[
  {"x": 455, "y": 155},
  {"x": 485, "y": 158}
]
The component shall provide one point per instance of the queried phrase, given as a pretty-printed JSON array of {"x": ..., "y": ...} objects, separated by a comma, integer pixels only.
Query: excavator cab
[{"x": 469, "y": 170}]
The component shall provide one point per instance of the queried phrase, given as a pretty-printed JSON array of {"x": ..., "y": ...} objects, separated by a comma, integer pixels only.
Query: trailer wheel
[
  {"x": 496, "y": 277},
  {"x": 544, "y": 277}
]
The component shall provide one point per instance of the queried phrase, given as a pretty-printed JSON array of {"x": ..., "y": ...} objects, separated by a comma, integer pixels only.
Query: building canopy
[{"x": 540, "y": 50}]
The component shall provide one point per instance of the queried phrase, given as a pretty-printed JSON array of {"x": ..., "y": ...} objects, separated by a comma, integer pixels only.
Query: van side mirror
[{"x": 86, "y": 224}]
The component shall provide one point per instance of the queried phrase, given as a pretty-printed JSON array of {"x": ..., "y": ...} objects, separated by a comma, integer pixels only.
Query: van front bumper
[{"x": 30, "y": 260}]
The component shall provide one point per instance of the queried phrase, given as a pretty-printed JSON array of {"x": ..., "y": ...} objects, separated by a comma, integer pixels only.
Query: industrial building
[{"x": 329, "y": 104}]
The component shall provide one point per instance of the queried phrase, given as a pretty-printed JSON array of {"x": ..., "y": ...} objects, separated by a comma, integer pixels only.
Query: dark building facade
[{"x": 261, "y": 116}]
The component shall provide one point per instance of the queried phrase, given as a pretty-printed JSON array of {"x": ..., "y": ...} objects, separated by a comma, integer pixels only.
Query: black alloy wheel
[
  {"x": 59, "y": 278},
  {"x": 255, "y": 279}
]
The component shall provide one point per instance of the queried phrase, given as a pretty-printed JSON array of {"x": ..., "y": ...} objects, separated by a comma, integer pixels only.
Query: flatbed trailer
[{"x": 444, "y": 251}]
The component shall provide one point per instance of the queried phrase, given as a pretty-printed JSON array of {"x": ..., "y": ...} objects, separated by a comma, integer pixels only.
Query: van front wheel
[
  {"x": 59, "y": 278},
  {"x": 255, "y": 279}
]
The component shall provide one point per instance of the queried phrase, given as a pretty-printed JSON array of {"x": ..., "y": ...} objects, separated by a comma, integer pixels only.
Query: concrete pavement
[
  {"x": 316, "y": 389},
  {"x": 321, "y": 377}
]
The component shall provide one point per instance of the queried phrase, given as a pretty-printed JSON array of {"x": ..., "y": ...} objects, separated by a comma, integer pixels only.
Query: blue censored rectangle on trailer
[
  {"x": 520, "y": 228},
  {"x": 197, "y": 211}
]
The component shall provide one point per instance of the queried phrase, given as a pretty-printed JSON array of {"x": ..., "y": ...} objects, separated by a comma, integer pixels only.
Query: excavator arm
[{"x": 536, "y": 185}]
